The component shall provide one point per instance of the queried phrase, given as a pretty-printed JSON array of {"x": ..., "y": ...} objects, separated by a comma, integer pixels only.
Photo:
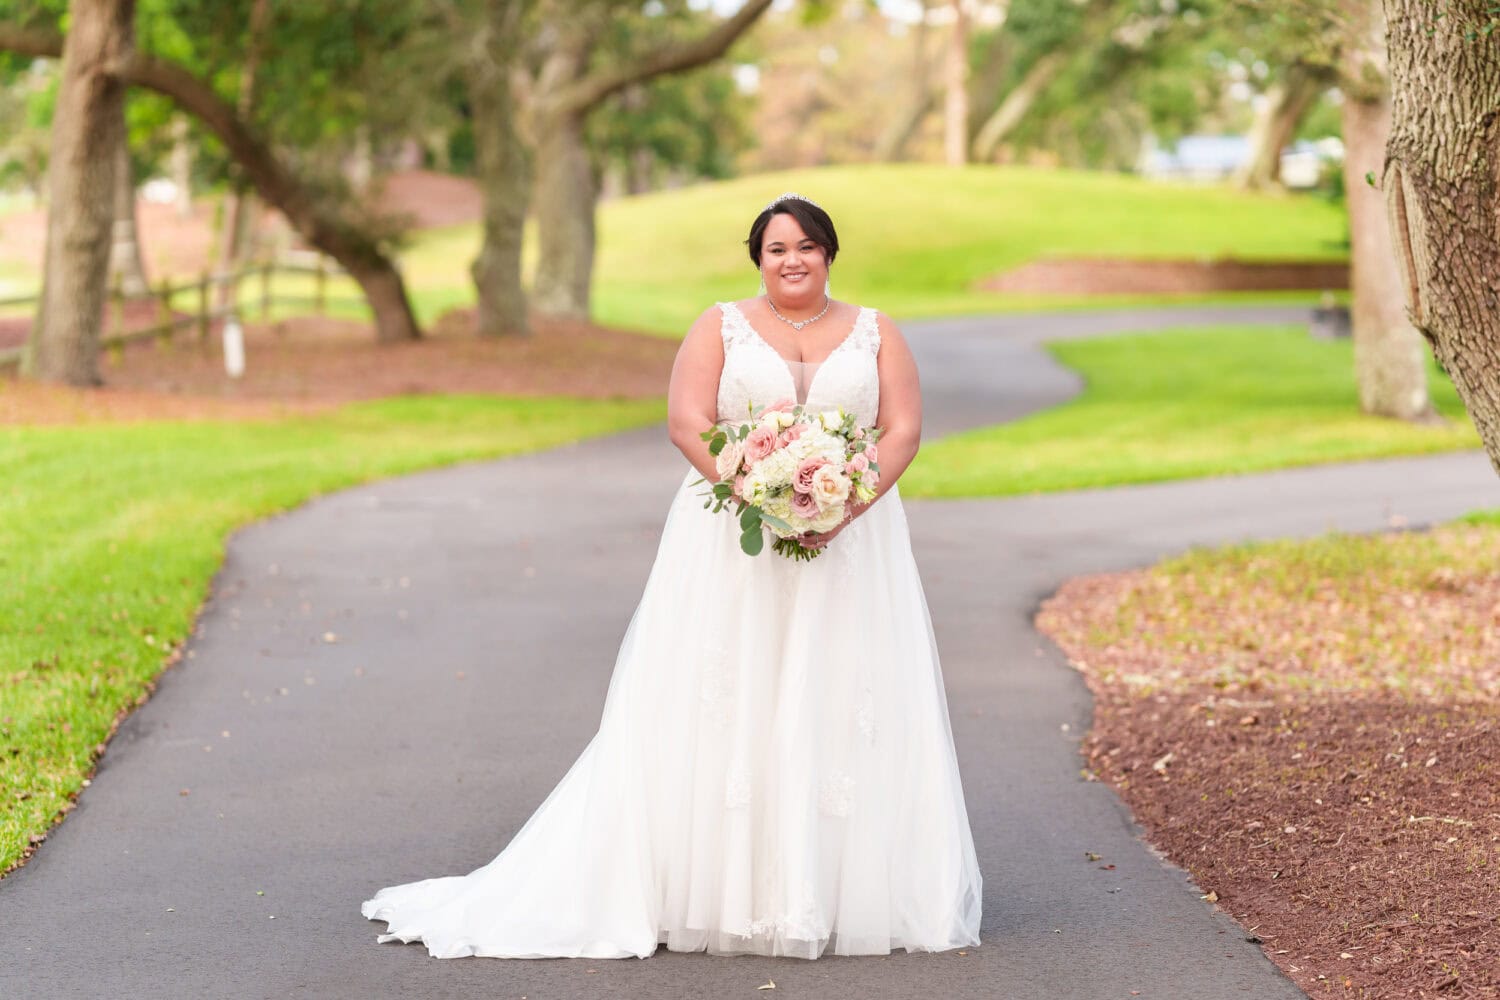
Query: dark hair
[{"x": 813, "y": 220}]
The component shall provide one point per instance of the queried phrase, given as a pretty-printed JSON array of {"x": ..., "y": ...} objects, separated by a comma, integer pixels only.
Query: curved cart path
[{"x": 478, "y": 610}]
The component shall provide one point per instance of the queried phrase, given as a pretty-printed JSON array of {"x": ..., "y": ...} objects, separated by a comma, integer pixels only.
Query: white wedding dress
[{"x": 774, "y": 770}]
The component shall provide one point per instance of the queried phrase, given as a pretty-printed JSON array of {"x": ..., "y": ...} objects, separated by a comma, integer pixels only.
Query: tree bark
[
  {"x": 125, "y": 265},
  {"x": 1287, "y": 104},
  {"x": 956, "y": 90},
  {"x": 87, "y": 132},
  {"x": 1389, "y": 357},
  {"x": 565, "y": 196},
  {"x": 504, "y": 171},
  {"x": 565, "y": 94},
  {"x": 1442, "y": 185},
  {"x": 320, "y": 224}
]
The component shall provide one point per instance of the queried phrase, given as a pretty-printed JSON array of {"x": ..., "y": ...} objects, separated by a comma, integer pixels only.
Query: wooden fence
[{"x": 258, "y": 280}]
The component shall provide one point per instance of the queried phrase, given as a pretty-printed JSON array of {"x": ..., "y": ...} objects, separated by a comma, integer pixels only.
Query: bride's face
[{"x": 795, "y": 268}]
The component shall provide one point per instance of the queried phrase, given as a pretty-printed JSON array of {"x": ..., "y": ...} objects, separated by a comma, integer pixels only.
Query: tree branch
[
  {"x": 276, "y": 184},
  {"x": 584, "y": 94}
]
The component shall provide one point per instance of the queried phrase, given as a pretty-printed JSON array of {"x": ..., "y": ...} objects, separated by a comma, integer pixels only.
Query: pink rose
[
  {"x": 792, "y": 433},
  {"x": 803, "y": 505},
  {"x": 858, "y": 464},
  {"x": 871, "y": 453},
  {"x": 802, "y": 479},
  {"x": 782, "y": 405},
  {"x": 871, "y": 478},
  {"x": 760, "y": 443},
  {"x": 859, "y": 433},
  {"x": 739, "y": 485}
]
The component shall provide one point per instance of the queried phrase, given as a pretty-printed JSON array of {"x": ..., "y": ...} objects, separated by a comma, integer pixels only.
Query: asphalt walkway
[{"x": 388, "y": 680}]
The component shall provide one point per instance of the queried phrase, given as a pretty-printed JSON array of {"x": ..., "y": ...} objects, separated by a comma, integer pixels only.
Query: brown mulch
[
  {"x": 1100, "y": 276},
  {"x": 1349, "y": 822},
  {"x": 306, "y": 365}
]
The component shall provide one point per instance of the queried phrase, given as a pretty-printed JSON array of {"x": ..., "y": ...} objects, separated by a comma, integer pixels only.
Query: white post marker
[{"x": 234, "y": 347}]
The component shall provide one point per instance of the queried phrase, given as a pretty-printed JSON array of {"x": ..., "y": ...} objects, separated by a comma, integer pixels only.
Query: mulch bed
[
  {"x": 310, "y": 364},
  {"x": 1101, "y": 276},
  {"x": 1347, "y": 818}
]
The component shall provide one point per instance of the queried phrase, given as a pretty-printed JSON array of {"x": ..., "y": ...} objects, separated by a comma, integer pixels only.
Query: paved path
[{"x": 478, "y": 610}]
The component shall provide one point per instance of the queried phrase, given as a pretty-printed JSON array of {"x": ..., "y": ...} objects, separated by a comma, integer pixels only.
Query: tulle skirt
[{"x": 773, "y": 773}]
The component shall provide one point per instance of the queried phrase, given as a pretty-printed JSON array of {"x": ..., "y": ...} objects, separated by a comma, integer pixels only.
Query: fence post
[{"x": 164, "y": 327}]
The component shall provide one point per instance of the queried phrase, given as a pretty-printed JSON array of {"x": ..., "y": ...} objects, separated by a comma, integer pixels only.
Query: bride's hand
[{"x": 819, "y": 539}]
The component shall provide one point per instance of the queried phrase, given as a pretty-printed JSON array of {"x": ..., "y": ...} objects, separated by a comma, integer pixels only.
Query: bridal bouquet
[{"x": 792, "y": 471}]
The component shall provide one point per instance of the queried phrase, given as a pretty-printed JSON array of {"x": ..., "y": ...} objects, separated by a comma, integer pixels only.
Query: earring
[
  {"x": 828, "y": 285},
  {"x": 763, "y": 283}
]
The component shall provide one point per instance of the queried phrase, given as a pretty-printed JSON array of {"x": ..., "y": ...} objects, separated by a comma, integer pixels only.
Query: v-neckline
[
  {"x": 787, "y": 363},
  {"x": 858, "y": 318}
]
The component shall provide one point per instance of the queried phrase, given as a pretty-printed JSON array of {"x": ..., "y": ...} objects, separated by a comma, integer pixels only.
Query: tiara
[{"x": 789, "y": 196}]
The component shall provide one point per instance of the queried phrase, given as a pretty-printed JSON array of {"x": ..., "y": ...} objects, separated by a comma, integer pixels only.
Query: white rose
[
  {"x": 755, "y": 487},
  {"x": 829, "y": 486},
  {"x": 831, "y": 419},
  {"x": 727, "y": 462},
  {"x": 784, "y": 419}
]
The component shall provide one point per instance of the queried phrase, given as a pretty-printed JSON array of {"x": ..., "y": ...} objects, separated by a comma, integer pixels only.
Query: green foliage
[
  {"x": 109, "y": 536},
  {"x": 1185, "y": 404}
]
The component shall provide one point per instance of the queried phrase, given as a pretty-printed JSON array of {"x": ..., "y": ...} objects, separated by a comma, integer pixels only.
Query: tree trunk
[
  {"x": 125, "y": 249},
  {"x": 564, "y": 217},
  {"x": 1389, "y": 356},
  {"x": 234, "y": 242},
  {"x": 87, "y": 131},
  {"x": 1442, "y": 186},
  {"x": 1019, "y": 101},
  {"x": 956, "y": 90},
  {"x": 504, "y": 174},
  {"x": 180, "y": 164},
  {"x": 1287, "y": 104},
  {"x": 891, "y": 146}
]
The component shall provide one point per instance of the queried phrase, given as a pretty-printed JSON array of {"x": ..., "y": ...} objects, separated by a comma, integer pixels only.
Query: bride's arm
[
  {"x": 693, "y": 392},
  {"x": 900, "y": 408}
]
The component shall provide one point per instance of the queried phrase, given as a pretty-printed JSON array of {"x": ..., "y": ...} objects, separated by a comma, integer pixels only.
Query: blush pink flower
[
  {"x": 739, "y": 485},
  {"x": 803, "y": 505},
  {"x": 871, "y": 478},
  {"x": 856, "y": 465},
  {"x": 871, "y": 453},
  {"x": 783, "y": 405},
  {"x": 760, "y": 443},
  {"x": 802, "y": 479},
  {"x": 792, "y": 433}
]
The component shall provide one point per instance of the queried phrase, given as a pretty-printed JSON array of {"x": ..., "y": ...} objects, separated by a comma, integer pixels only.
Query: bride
[{"x": 774, "y": 770}]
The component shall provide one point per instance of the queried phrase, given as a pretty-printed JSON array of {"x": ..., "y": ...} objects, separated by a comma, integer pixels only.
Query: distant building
[{"x": 1214, "y": 158}]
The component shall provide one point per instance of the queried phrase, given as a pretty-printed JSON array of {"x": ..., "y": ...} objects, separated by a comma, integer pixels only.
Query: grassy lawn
[
  {"x": 915, "y": 238},
  {"x": 110, "y": 534},
  {"x": 1175, "y": 405}
]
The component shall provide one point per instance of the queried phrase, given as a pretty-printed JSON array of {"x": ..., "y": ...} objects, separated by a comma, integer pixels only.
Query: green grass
[
  {"x": 1182, "y": 404},
  {"x": 110, "y": 534},
  {"x": 914, "y": 238}
]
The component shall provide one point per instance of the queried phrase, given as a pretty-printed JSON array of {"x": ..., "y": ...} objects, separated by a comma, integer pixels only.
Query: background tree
[
  {"x": 1441, "y": 178},
  {"x": 88, "y": 132},
  {"x": 573, "y": 79}
]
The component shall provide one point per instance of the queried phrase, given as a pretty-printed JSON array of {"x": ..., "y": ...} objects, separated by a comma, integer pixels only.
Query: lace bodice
[{"x": 755, "y": 374}]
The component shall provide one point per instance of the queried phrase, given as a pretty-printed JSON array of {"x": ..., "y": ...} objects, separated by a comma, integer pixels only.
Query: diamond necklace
[{"x": 799, "y": 324}]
